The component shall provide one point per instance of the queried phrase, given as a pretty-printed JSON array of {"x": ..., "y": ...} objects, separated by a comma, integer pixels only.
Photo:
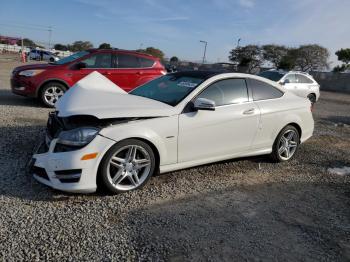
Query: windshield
[
  {"x": 169, "y": 89},
  {"x": 71, "y": 58},
  {"x": 272, "y": 75}
]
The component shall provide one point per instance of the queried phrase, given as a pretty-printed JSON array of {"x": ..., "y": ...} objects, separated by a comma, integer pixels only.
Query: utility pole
[
  {"x": 205, "y": 49},
  {"x": 50, "y": 34},
  {"x": 22, "y": 51}
]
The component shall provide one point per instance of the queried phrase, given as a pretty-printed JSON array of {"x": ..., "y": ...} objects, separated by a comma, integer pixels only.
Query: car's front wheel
[
  {"x": 127, "y": 166},
  {"x": 286, "y": 144},
  {"x": 51, "y": 92}
]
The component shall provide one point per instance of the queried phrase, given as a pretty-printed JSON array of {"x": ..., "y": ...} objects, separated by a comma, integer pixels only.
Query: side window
[
  {"x": 102, "y": 60},
  {"x": 291, "y": 78},
  {"x": 262, "y": 90},
  {"x": 128, "y": 61},
  {"x": 225, "y": 92},
  {"x": 303, "y": 79},
  {"x": 146, "y": 62}
]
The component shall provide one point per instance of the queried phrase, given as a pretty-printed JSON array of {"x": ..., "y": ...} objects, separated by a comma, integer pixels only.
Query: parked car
[
  {"x": 42, "y": 55},
  {"x": 48, "y": 82},
  {"x": 300, "y": 83},
  {"x": 101, "y": 135}
]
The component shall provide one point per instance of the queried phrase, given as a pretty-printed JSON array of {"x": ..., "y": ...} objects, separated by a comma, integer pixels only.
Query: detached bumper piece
[{"x": 68, "y": 176}]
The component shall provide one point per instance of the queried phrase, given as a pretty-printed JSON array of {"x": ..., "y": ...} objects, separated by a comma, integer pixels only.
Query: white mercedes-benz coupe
[{"x": 100, "y": 135}]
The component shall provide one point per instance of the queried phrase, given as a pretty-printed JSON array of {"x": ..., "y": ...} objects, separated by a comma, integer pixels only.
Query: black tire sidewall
[
  {"x": 102, "y": 176},
  {"x": 275, "y": 155},
  {"x": 46, "y": 86}
]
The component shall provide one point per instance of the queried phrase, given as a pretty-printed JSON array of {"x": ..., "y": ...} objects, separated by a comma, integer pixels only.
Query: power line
[
  {"x": 12, "y": 22},
  {"x": 26, "y": 27}
]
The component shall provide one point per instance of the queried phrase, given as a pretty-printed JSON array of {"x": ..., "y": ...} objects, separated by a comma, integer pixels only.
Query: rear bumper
[
  {"x": 66, "y": 171},
  {"x": 307, "y": 129}
]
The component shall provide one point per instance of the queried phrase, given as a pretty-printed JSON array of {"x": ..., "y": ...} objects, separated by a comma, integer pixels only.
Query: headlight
[
  {"x": 77, "y": 137},
  {"x": 33, "y": 72}
]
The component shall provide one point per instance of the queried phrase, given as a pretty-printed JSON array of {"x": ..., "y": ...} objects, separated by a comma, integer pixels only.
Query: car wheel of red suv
[{"x": 51, "y": 92}]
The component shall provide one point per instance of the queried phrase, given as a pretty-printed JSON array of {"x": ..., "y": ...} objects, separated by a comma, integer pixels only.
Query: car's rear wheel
[
  {"x": 127, "y": 166},
  {"x": 51, "y": 92},
  {"x": 312, "y": 98},
  {"x": 286, "y": 144}
]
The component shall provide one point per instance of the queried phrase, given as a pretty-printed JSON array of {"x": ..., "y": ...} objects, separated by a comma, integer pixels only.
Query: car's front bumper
[
  {"x": 65, "y": 170},
  {"x": 23, "y": 86}
]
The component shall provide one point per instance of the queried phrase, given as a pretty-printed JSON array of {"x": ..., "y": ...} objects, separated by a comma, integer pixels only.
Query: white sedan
[{"x": 101, "y": 135}]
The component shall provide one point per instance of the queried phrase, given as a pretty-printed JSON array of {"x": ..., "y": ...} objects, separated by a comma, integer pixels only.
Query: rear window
[
  {"x": 263, "y": 91},
  {"x": 146, "y": 62},
  {"x": 301, "y": 79},
  {"x": 127, "y": 61}
]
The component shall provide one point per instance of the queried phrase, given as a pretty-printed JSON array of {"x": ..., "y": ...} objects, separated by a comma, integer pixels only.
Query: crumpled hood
[{"x": 96, "y": 95}]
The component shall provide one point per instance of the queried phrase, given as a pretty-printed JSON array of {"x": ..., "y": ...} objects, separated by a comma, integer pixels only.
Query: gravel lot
[{"x": 246, "y": 209}]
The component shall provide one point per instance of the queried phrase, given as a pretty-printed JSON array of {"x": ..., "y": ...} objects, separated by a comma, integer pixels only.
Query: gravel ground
[{"x": 246, "y": 209}]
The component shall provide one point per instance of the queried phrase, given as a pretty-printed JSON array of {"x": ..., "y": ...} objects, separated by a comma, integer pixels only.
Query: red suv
[{"x": 48, "y": 82}]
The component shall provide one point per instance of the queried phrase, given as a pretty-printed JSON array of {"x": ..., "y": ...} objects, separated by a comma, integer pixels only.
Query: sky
[{"x": 177, "y": 26}]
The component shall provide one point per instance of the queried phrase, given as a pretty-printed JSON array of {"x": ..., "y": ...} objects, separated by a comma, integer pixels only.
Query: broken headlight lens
[{"x": 77, "y": 137}]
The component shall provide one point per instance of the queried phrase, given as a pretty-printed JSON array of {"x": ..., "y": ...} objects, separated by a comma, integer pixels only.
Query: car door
[
  {"x": 128, "y": 71},
  {"x": 100, "y": 62},
  {"x": 304, "y": 85},
  {"x": 228, "y": 130}
]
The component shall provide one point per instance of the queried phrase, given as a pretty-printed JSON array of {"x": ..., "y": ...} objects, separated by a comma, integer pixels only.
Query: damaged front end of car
[{"x": 75, "y": 132}]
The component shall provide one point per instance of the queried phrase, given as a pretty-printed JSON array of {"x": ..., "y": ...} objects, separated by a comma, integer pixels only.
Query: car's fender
[{"x": 162, "y": 132}]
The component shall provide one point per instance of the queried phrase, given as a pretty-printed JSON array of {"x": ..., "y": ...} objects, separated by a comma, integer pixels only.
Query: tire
[
  {"x": 127, "y": 166},
  {"x": 312, "y": 98},
  {"x": 52, "y": 60},
  {"x": 51, "y": 92},
  {"x": 286, "y": 144}
]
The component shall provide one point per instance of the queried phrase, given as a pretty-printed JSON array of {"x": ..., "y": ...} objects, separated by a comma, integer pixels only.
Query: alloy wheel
[
  {"x": 52, "y": 94},
  {"x": 288, "y": 144},
  {"x": 129, "y": 167}
]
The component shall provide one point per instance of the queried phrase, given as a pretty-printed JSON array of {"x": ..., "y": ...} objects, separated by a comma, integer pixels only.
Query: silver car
[
  {"x": 300, "y": 83},
  {"x": 43, "y": 55}
]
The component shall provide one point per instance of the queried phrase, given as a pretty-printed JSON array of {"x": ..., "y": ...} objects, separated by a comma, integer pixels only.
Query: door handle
[
  {"x": 249, "y": 111},
  {"x": 106, "y": 73},
  {"x": 139, "y": 73}
]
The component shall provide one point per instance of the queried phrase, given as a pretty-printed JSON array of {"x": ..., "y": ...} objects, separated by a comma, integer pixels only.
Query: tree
[
  {"x": 288, "y": 61},
  {"x": 344, "y": 55},
  {"x": 311, "y": 57},
  {"x": 80, "y": 46},
  {"x": 339, "y": 68},
  {"x": 274, "y": 54},
  {"x": 153, "y": 52},
  {"x": 60, "y": 47},
  {"x": 27, "y": 42},
  {"x": 174, "y": 60},
  {"x": 249, "y": 56},
  {"x": 105, "y": 46}
]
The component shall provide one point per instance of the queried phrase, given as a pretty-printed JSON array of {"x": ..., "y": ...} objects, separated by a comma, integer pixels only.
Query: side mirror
[
  {"x": 80, "y": 65},
  {"x": 204, "y": 104}
]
